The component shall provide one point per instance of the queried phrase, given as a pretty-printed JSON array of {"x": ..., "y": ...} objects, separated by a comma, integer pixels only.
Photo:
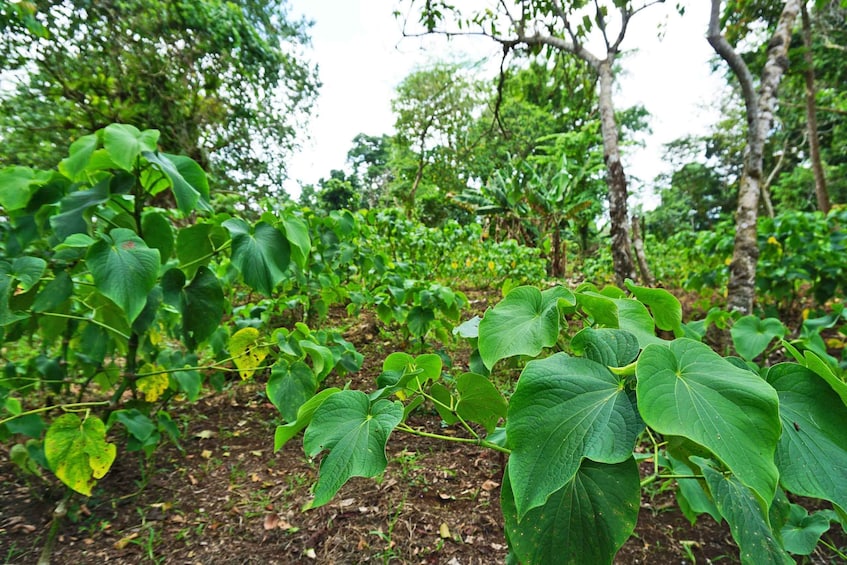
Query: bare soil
[{"x": 225, "y": 497}]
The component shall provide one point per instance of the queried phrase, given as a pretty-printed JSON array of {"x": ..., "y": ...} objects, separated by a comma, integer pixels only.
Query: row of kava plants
[{"x": 128, "y": 293}]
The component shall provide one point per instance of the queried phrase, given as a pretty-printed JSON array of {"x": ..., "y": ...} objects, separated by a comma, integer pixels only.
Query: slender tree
[
  {"x": 760, "y": 108},
  {"x": 556, "y": 25}
]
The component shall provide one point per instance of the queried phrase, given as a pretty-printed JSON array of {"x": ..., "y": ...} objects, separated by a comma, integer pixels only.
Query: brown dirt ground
[{"x": 228, "y": 499}]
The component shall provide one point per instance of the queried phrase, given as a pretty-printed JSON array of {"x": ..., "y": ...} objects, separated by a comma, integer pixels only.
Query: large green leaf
[
  {"x": 290, "y": 386},
  {"x": 125, "y": 143},
  {"x": 812, "y": 451},
  {"x": 751, "y": 335},
  {"x": 666, "y": 309},
  {"x": 124, "y": 269},
  {"x": 523, "y": 323},
  {"x": 15, "y": 187},
  {"x": 262, "y": 257},
  {"x": 159, "y": 234},
  {"x": 476, "y": 400},
  {"x": 613, "y": 348},
  {"x": 585, "y": 521},
  {"x": 747, "y": 517},
  {"x": 196, "y": 244},
  {"x": 565, "y": 409},
  {"x": 189, "y": 183},
  {"x": 77, "y": 451},
  {"x": 304, "y": 418},
  {"x": 297, "y": 232},
  {"x": 802, "y": 532},
  {"x": 54, "y": 293},
  {"x": 201, "y": 303},
  {"x": 78, "y": 157},
  {"x": 28, "y": 271},
  {"x": 355, "y": 433},
  {"x": 634, "y": 317},
  {"x": 74, "y": 210},
  {"x": 686, "y": 389}
]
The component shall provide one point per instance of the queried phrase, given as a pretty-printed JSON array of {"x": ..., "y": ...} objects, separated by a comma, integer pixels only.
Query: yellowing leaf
[
  {"x": 152, "y": 386},
  {"x": 245, "y": 354},
  {"x": 77, "y": 451}
]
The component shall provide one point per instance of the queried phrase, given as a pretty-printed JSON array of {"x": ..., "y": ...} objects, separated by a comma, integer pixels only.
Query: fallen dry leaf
[
  {"x": 490, "y": 485},
  {"x": 444, "y": 530},
  {"x": 124, "y": 541},
  {"x": 205, "y": 434},
  {"x": 206, "y": 454}
]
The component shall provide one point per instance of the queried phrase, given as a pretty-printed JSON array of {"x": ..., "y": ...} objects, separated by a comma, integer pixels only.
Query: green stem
[
  {"x": 834, "y": 549},
  {"x": 207, "y": 256},
  {"x": 59, "y": 513},
  {"x": 653, "y": 478},
  {"x": 450, "y": 408},
  {"x": 71, "y": 406},
  {"x": 90, "y": 320},
  {"x": 480, "y": 442}
]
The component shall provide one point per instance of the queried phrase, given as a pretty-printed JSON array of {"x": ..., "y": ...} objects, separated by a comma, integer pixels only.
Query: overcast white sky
[{"x": 357, "y": 45}]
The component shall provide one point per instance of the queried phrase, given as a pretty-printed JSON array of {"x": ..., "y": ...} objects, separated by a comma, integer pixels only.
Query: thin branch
[{"x": 723, "y": 48}]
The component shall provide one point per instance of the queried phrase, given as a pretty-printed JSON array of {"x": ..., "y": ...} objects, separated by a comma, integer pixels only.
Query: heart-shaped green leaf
[
  {"x": 77, "y": 451},
  {"x": 262, "y": 257},
  {"x": 304, "y": 418},
  {"x": 523, "y": 323},
  {"x": 201, "y": 303},
  {"x": 15, "y": 187},
  {"x": 751, "y": 335},
  {"x": 812, "y": 451},
  {"x": 159, "y": 234},
  {"x": 476, "y": 400},
  {"x": 125, "y": 143},
  {"x": 355, "y": 433},
  {"x": 79, "y": 155},
  {"x": 686, "y": 389},
  {"x": 666, "y": 309},
  {"x": 189, "y": 183},
  {"x": 290, "y": 386},
  {"x": 585, "y": 521},
  {"x": 565, "y": 409},
  {"x": 124, "y": 269},
  {"x": 613, "y": 348},
  {"x": 802, "y": 532}
]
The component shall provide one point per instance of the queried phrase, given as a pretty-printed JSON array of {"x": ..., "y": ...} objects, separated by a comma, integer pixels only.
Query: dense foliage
[{"x": 136, "y": 276}]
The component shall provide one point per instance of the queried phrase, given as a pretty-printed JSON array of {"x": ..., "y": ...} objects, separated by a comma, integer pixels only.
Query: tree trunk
[
  {"x": 811, "y": 115},
  {"x": 647, "y": 277},
  {"x": 741, "y": 290},
  {"x": 624, "y": 266}
]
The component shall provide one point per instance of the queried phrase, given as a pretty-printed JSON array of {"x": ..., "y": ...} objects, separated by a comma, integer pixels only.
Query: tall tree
[
  {"x": 224, "y": 81},
  {"x": 369, "y": 157},
  {"x": 566, "y": 27},
  {"x": 741, "y": 289},
  {"x": 435, "y": 108}
]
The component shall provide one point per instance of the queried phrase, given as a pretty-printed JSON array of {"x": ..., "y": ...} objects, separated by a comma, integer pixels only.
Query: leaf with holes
[{"x": 246, "y": 354}]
